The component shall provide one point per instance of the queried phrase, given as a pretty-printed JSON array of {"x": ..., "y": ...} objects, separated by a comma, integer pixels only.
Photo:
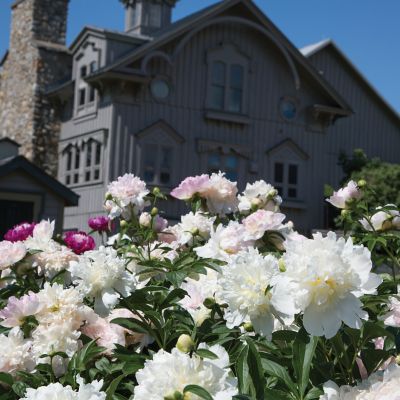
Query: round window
[
  {"x": 160, "y": 88},
  {"x": 288, "y": 108}
]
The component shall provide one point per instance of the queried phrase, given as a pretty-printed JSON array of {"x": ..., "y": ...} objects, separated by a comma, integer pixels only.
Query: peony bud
[
  {"x": 175, "y": 396},
  {"x": 109, "y": 196},
  {"x": 123, "y": 224},
  {"x": 185, "y": 343},
  {"x": 154, "y": 211},
  {"x": 248, "y": 327},
  {"x": 281, "y": 265},
  {"x": 145, "y": 219},
  {"x": 156, "y": 191},
  {"x": 209, "y": 302},
  {"x": 344, "y": 213},
  {"x": 362, "y": 183}
]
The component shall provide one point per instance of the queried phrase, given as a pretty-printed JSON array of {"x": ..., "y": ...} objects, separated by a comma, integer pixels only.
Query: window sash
[
  {"x": 157, "y": 164},
  {"x": 286, "y": 179}
]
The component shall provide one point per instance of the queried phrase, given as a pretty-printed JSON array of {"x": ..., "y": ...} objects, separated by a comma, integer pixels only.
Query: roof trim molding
[
  {"x": 164, "y": 126},
  {"x": 290, "y": 143},
  {"x": 19, "y": 162},
  {"x": 210, "y": 146},
  {"x": 9, "y": 140}
]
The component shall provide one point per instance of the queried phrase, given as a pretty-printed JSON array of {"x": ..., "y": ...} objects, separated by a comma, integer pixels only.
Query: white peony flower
[
  {"x": 343, "y": 196},
  {"x": 55, "y": 391},
  {"x": 334, "y": 392},
  {"x": 225, "y": 242},
  {"x": 176, "y": 370},
  {"x": 205, "y": 287},
  {"x": 16, "y": 311},
  {"x": 41, "y": 238},
  {"x": 15, "y": 352},
  {"x": 11, "y": 253},
  {"x": 261, "y": 221},
  {"x": 259, "y": 195},
  {"x": 193, "y": 224},
  {"x": 392, "y": 318},
  {"x": 382, "y": 220},
  {"x": 324, "y": 279},
  {"x": 101, "y": 275},
  {"x": 221, "y": 195},
  {"x": 246, "y": 288},
  {"x": 128, "y": 194}
]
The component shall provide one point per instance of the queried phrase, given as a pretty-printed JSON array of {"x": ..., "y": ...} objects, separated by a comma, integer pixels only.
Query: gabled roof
[
  {"x": 11, "y": 141},
  {"x": 312, "y": 49},
  {"x": 288, "y": 142},
  {"x": 11, "y": 164},
  {"x": 4, "y": 58},
  {"x": 186, "y": 24}
]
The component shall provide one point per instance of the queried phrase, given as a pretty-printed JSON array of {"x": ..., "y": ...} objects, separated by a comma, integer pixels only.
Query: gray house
[
  {"x": 222, "y": 89},
  {"x": 27, "y": 193}
]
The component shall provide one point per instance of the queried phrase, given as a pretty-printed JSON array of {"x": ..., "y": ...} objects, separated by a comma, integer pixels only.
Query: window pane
[
  {"x": 83, "y": 71},
  {"x": 98, "y": 154},
  {"x": 149, "y": 175},
  {"x": 231, "y": 162},
  {"x": 280, "y": 190},
  {"x": 68, "y": 179},
  {"x": 69, "y": 160},
  {"x": 278, "y": 173},
  {"x": 93, "y": 66},
  {"x": 87, "y": 176},
  {"x": 77, "y": 158},
  {"x": 217, "y": 97},
  {"x": 149, "y": 157},
  {"x": 165, "y": 177},
  {"x": 96, "y": 174},
  {"x": 293, "y": 174},
  {"x": 76, "y": 178},
  {"x": 236, "y": 77},
  {"x": 166, "y": 157},
  {"x": 292, "y": 193},
  {"x": 92, "y": 94},
  {"x": 214, "y": 162},
  {"x": 89, "y": 153},
  {"x": 155, "y": 15},
  {"x": 232, "y": 175},
  {"x": 218, "y": 73},
  {"x": 235, "y": 100},
  {"x": 82, "y": 96}
]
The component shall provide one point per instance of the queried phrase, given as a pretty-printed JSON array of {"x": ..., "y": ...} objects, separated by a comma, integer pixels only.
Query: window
[
  {"x": 93, "y": 159},
  {"x": 225, "y": 163},
  {"x": 159, "y": 88},
  {"x": 83, "y": 71},
  {"x": 82, "y": 97},
  {"x": 227, "y": 87},
  {"x": 288, "y": 108},
  {"x": 157, "y": 164},
  {"x": 93, "y": 66},
  {"x": 286, "y": 179},
  {"x": 92, "y": 94},
  {"x": 72, "y": 165},
  {"x": 154, "y": 16},
  {"x": 227, "y": 80}
]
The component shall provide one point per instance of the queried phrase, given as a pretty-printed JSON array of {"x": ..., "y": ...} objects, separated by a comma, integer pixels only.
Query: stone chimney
[
  {"x": 37, "y": 57},
  {"x": 145, "y": 17}
]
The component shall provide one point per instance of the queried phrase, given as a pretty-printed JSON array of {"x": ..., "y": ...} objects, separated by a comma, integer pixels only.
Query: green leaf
[
  {"x": 204, "y": 353},
  {"x": 174, "y": 296},
  {"x": 274, "y": 394},
  {"x": 113, "y": 387},
  {"x": 314, "y": 393},
  {"x": 132, "y": 324},
  {"x": 256, "y": 370},
  {"x": 19, "y": 388},
  {"x": 198, "y": 391},
  {"x": 303, "y": 354},
  {"x": 274, "y": 369},
  {"x": 242, "y": 370},
  {"x": 6, "y": 378}
]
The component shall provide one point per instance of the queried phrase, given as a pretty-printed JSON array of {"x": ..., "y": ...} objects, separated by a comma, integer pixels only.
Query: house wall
[
  {"x": 269, "y": 79},
  {"x": 48, "y": 205},
  {"x": 372, "y": 127}
]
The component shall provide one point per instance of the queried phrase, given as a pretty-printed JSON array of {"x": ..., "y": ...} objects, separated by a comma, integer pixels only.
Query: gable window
[
  {"x": 83, "y": 71},
  {"x": 157, "y": 164},
  {"x": 227, "y": 80},
  {"x": 82, "y": 97},
  {"x": 93, "y": 161},
  {"x": 228, "y": 163},
  {"x": 286, "y": 179}
]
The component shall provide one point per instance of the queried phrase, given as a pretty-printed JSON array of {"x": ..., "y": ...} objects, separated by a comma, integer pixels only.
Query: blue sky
[{"x": 368, "y": 31}]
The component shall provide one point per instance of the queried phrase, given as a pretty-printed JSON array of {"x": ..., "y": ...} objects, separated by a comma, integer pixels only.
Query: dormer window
[{"x": 228, "y": 69}]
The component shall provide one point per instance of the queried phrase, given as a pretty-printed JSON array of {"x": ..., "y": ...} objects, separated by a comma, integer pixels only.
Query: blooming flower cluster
[{"x": 228, "y": 302}]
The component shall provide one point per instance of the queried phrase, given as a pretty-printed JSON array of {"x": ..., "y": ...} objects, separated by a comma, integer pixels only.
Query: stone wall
[{"x": 37, "y": 58}]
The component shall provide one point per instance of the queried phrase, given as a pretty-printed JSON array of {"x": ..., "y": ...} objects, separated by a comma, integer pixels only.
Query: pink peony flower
[
  {"x": 18, "y": 309},
  {"x": 341, "y": 198},
  {"x": 190, "y": 186},
  {"x": 20, "y": 232},
  {"x": 100, "y": 224},
  {"x": 159, "y": 224},
  {"x": 258, "y": 223},
  {"x": 79, "y": 242},
  {"x": 11, "y": 253}
]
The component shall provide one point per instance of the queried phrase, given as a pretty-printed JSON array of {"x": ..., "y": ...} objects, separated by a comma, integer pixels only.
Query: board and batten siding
[{"x": 269, "y": 79}]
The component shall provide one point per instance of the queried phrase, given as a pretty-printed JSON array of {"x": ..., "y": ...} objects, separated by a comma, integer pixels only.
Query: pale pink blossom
[
  {"x": 11, "y": 253},
  {"x": 392, "y": 318},
  {"x": 145, "y": 219},
  {"x": 382, "y": 220},
  {"x": 258, "y": 223},
  {"x": 17, "y": 310},
  {"x": 343, "y": 196},
  {"x": 191, "y": 186}
]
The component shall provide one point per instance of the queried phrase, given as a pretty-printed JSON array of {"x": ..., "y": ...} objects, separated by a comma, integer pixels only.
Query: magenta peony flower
[
  {"x": 190, "y": 186},
  {"x": 79, "y": 242},
  {"x": 20, "y": 232},
  {"x": 100, "y": 223}
]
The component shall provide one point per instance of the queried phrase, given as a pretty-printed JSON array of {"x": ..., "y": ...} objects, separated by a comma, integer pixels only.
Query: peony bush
[{"x": 229, "y": 303}]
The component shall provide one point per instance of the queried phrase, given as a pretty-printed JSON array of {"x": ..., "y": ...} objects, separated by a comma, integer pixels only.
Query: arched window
[{"x": 228, "y": 70}]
